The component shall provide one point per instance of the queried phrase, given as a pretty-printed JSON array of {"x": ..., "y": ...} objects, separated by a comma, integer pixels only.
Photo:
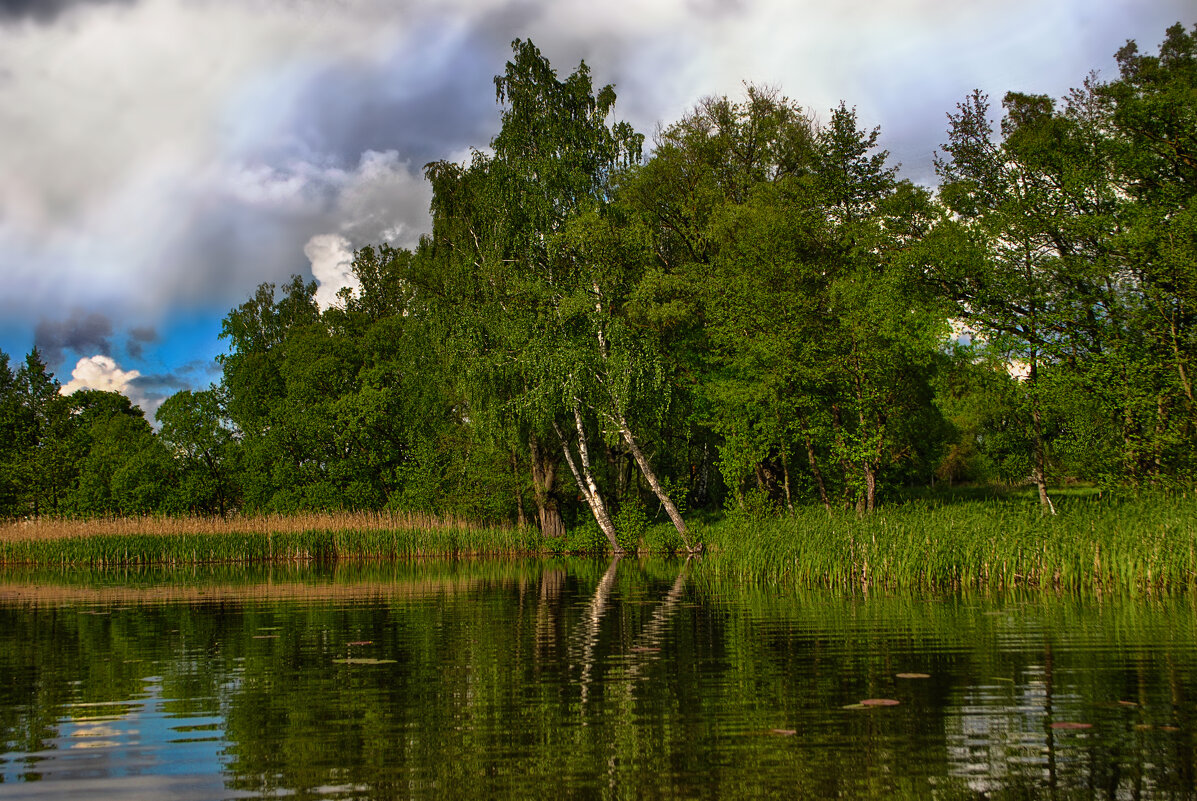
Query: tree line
[{"x": 760, "y": 311}]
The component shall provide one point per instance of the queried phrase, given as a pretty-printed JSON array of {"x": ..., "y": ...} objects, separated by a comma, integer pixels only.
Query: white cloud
[
  {"x": 331, "y": 258},
  {"x": 114, "y": 119},
  {"x": 99, "y": 372},
  {"x": 103, "y": 373},
  {"x": 160, "y": 153}
]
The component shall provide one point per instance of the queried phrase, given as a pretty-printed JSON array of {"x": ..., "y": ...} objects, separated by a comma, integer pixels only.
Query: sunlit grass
[
  {"x": 1098, "y": 544},
  {"x": 1095, "y": 543},
  {"x": 269, "y": 538},
  {"x": 49, "y": 528}
]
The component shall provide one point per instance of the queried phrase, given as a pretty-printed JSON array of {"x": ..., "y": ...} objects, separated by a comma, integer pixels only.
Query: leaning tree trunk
[
  {"x": 585, "y": 479},
  {"x": 626, "y": 433},
  {"x": 544, "y": 476},
  {"x": 651, "y": 478}
]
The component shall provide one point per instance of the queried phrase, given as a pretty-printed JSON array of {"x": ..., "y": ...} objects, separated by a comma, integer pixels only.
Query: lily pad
[
  {"x": 362, "y": 660},
  {"x": 914, "y": 675}
]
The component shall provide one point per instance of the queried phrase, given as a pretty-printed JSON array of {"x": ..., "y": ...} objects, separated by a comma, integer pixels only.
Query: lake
[{"x": 580, "y": 679}]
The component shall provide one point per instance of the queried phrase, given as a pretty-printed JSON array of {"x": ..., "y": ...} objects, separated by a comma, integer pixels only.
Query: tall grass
[
  {"x": 63, "y": 528},
  {"x": 273, "y": 538},
  {"x": 1099, "y": 544}
]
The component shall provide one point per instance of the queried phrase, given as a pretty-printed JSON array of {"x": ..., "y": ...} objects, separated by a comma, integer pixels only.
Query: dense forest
[{"x": 754, "y": 310}]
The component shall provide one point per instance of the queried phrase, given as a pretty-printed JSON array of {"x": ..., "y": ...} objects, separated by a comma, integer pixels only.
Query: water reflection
[{"x": 611, "y": 679}]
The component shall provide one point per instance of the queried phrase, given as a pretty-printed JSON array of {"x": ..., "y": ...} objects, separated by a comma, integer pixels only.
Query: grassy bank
[
  {"x": 1094, "y": 543},
  {"x": 273, "y": 538}
]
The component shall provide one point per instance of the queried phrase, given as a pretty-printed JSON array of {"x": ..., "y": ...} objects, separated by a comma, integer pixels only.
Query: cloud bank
[
  {"x": 160, "y": 156},
  {"x": 83, "y": 332}
]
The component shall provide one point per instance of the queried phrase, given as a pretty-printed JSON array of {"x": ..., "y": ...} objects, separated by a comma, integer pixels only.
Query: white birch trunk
[
  {"x": 586, "y": 482},
  {"x": 651, "y": 478}
]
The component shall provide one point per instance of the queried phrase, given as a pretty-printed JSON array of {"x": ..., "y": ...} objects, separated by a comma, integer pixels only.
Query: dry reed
[
  {"x": 53, "y": 528},
  {"x": 261, "y": 539}
]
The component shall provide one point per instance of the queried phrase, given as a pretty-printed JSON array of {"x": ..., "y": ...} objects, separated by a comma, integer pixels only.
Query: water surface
[{"x": 580, "y": 679}]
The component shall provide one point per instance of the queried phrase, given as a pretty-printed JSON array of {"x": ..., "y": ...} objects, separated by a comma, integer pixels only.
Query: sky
[{"x": 159, "y": 159}]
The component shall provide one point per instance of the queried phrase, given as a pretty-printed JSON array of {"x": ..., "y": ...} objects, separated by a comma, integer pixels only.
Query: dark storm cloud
[
  {"x": 424, "y": 105},
  {"x": 45, "y": 10},
  {"x": 151, "y": 390},
  {"x": 138, "y": 338},
  {"x": 194, "y": 375},
  {"x": 85, "y": 333},
  {"x": 225, "y": 254},
  {"x": 158, "y": 384},
  {"x": 432, "y": 98}
]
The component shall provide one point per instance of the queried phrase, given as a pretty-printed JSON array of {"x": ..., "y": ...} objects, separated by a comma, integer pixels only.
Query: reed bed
[
  {"x": 1099, "y": 544},
  {"x": 50, "y": 528},
  {"x": 1135, "y": 544},
  {"x": 266, "y": 538}
]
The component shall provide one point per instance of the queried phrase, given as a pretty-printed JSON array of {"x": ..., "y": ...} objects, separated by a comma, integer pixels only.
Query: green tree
[
  {"x": 44, "y": 465},
  {"x": 194, "y": 432},
  {"x": 253, "y": 380},
  {"x": 1147, "y": 113},
  {"x": 122, "y": 468},
  {"x": 1001, "y": 258},
  {"x": 721, "y": 197},
  {"x": 10, "y": 429},
  {"x": 507, "y": 229},
  {"x": 822, "y": 333},
  {"x": 888, "y": 325}
]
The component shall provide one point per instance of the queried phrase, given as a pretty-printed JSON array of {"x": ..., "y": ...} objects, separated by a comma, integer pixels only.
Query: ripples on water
[{"x": 580, "y": 679}]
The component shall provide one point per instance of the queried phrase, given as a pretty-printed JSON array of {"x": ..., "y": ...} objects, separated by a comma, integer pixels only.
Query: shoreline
[{"x": 1136, "y": 544}]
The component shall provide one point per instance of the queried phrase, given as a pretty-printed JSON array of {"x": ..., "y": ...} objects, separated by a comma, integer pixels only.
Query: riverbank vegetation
[
  {"x": 1093, "y": 544},
  {"x": 944, "y": 541},
  {"x": 754, "y": 316},
  {"x": 320, "y": 537}
]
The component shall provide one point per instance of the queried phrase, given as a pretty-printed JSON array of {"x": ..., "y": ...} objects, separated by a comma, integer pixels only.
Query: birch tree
[{"x": 540, "y": 312}]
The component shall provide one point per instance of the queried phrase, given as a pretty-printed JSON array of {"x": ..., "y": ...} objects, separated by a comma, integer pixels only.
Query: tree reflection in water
[{"x": 635, "y": 678}]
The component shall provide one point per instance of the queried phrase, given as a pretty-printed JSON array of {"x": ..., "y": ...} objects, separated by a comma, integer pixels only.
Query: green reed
[
  {"x": 1098, "y": 544},
  {"x": 1092, "y": 544}
]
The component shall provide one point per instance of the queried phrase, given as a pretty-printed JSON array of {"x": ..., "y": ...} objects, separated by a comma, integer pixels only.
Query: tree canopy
[{"x": 753, "y": 310}]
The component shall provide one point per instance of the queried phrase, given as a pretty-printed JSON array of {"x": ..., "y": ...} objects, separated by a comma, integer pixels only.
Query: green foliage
[
  {"x": 194, "y": 430},
  {"x": 584, "y": 538},
  {"x": 758, "y": 315},
  {"x": 631, "y": 523},
  {"x": 1095, "y": 543}
]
